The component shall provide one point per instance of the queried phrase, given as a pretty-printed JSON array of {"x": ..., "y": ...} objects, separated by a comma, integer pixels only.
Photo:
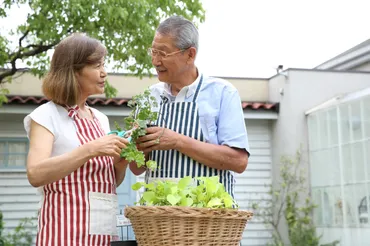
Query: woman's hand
[{"x": 110, "y": 145}]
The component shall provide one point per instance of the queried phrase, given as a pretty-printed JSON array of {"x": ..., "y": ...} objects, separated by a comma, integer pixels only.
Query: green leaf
[
  {"x": 109, "y": 90},
  {"x": 174, "y": 190},
  {"x": 142, "y": 123},
  {"x": 173, "y": 199},
  {"x": 151, "y": 164},
  {"x": 214, "y": 202},
  {"x": 228, "y": 201},
  {"x": 149, "y": 196},
  {"x": 186, "y": 202},
  {"x": 150, "y": 186},
  {"x": 184, "y": 182},
  {"x": 137, "y": 186}
]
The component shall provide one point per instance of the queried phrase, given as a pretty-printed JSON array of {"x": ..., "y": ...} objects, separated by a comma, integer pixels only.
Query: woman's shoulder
[
  {"x": 48, "y": 107},
  {"x": 98, "y": 113},
  {"x": 43, "y": 115},
  {"x": 102, "y": 118}
]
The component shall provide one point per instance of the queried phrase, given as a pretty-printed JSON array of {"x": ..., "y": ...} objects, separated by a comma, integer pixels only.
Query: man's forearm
[{"x": 215, "y": 156}]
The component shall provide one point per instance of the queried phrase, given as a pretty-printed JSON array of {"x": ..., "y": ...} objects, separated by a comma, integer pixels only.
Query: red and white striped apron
[{"x": 64, "y": 218}]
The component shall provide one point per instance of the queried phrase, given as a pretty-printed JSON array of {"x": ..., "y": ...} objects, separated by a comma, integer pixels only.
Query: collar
[{"x": 188, "y": 90}]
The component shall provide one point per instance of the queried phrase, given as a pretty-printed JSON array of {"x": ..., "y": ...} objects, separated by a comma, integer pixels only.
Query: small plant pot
[
  {"x": 124, "y": 243},
  {"x": 150, "y": 125}
]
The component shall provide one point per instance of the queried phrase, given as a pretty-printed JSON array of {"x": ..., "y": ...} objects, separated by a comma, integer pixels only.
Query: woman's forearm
[{"x": 55, "y": 168}]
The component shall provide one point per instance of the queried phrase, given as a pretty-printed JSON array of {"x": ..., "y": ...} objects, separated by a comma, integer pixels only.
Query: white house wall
[
  {"x": 250, "y": 89},
  {"x": 18, "y": 199}
]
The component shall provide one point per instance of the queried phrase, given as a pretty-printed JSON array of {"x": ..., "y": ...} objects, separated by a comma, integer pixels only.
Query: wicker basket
[{"x": 174, "y": 225}]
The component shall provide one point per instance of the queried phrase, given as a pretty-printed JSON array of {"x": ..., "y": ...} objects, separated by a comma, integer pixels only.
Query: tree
[
  {"x": 125, "y": 27},
  {"x": 291, "y": 204}
]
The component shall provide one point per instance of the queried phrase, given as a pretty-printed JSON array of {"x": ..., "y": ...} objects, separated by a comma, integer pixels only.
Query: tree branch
[
  {"x": 19, "y": 55},
  {"x": 38, "y": 49},
  {"x": 21, "y": 39}
]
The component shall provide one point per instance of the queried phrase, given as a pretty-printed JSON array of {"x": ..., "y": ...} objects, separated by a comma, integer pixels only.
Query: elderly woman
[{"x": 71, "y": 158}]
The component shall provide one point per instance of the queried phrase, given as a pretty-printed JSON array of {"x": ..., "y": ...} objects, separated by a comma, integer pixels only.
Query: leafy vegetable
[
  {"x": 208, "y": 193},
  {"x": 140, "y": 116}
]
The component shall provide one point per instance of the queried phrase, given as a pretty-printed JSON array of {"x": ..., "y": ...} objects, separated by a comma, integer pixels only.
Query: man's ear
[{"x": 192, "y": 52}]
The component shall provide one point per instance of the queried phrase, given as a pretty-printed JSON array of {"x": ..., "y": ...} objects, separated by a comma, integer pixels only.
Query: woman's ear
[{"x": 77, "y": 75}]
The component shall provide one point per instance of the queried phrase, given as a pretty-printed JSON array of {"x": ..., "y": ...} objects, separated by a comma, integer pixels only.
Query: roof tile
[{"x": 37, "y": 100}]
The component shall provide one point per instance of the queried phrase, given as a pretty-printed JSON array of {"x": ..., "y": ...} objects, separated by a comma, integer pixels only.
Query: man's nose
[{"x": 156, "y": 61}]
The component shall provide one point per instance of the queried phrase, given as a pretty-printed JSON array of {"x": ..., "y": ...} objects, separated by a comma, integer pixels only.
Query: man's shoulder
[
  {"x": 157, "y": 87},
  {"x": 218, "y": 83}
]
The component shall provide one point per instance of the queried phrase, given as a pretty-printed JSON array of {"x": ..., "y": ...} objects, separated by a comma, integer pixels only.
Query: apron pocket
[{"x": 103, "y": 209}]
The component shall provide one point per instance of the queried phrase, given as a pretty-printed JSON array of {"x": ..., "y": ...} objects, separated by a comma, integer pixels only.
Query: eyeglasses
[{"x": 162, "y": 54}]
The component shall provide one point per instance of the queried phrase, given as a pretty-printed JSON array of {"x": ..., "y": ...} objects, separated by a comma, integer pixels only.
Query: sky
[{"x": 250, "y": 38}]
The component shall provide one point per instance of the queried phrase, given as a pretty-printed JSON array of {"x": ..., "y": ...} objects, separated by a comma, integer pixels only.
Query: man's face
[{"x": 170, "y": 68}]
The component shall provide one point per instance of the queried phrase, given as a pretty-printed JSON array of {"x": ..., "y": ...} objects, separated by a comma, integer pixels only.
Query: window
[
  {"x": 339, "y": 148},
  {"x": 13, "y": 153}
]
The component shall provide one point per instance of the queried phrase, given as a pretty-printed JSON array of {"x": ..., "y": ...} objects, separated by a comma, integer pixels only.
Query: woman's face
[{"x": 92, "y": 79}]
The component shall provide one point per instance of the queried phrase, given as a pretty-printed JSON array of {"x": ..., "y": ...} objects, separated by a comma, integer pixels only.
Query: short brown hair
[{"x": 71, "y": 55}]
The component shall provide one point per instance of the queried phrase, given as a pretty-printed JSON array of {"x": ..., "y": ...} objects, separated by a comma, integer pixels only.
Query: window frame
[
  {"x": 7, "y": 154},
  {"x": 349, "y": 182}
]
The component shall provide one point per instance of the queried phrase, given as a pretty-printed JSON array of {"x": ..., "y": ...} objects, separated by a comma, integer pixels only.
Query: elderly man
[{"x": 205, "y": 133}]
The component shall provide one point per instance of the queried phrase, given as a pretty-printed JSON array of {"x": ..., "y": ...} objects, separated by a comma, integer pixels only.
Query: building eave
[{"x": 349, "y": 59}]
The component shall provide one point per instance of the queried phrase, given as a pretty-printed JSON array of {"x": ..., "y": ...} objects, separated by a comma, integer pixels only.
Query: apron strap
[
  {"x": 198, "y": 88},
  {"x": 72, "y": 111}
]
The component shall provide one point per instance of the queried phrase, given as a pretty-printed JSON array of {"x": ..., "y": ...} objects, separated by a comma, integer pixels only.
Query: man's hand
[{"x": 158, "y": 138}]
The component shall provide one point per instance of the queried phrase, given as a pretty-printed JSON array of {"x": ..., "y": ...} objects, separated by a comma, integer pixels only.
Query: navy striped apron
[{"x": 183, "y": 118}]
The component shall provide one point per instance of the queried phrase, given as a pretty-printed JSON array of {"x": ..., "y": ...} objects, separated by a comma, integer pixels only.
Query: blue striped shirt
[{"x": 220, "y": 111}]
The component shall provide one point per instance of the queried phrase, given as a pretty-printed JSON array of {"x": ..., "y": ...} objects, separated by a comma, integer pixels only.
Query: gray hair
[{"x": 182, "y": 30}]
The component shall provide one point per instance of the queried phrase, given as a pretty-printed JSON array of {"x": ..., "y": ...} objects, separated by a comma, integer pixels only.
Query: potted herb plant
[{"x": 140, "y": 118}]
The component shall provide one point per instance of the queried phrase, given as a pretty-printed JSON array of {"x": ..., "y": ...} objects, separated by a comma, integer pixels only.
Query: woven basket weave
[{"x": 175, "y": 225}]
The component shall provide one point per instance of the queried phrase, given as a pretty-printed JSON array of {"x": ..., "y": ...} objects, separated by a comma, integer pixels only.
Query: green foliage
[
  {"x": 21, "y": 236},
  {"x": 209, "y": 193},
  {"x": 291, "y": 202},
  {"x": 140, "y": 116},
  {"x": 109, "y": 90},
  {"x": 125, "y": 27},
  {"x": 3, "y": 98}
]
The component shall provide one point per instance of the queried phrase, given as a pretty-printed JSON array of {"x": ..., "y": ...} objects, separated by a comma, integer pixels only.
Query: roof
[
  {"x": 350, "y": 58},
  {"x": 99, "y": 101}
]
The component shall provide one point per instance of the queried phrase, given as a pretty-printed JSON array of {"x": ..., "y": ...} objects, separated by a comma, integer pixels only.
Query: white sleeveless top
[{"x": 56, "y": 120}]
